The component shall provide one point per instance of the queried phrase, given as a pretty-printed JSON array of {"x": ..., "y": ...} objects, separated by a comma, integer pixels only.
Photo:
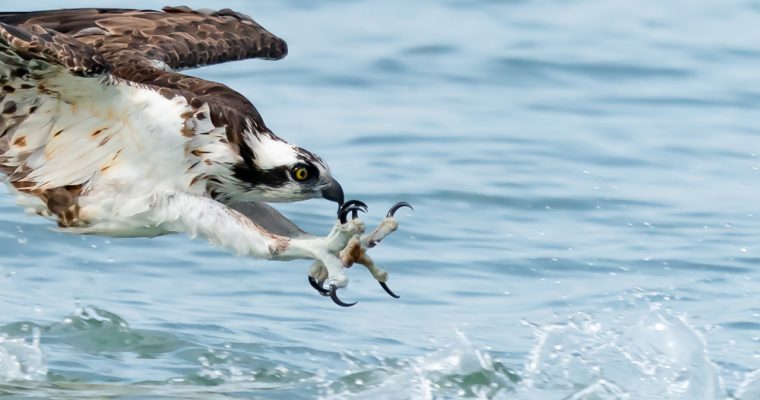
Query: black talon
[
  {"x": 352, "y": 206},
  {"x": 336, "y": 300},
  {"x": 389, "y": 291},
  {"x": 313, "y": 282},
  {"x": 395, "y": 208},
  {"x": 344, "y": 213},
  {"x": 354, "y": 203}
]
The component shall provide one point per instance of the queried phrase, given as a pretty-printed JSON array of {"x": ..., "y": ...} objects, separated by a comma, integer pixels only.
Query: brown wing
[
  {"x": 177, "y": 36},
  {"x": 140, "y": 45}
]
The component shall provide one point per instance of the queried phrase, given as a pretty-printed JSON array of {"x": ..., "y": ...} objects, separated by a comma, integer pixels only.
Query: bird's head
[{"x": 275, "y": 171}]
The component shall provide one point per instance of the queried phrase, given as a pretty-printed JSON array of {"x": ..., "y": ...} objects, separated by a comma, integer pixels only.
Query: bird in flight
[{"x": 100, "y": 132}]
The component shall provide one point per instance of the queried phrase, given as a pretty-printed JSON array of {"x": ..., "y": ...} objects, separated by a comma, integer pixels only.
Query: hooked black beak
[{"x": 333, "y": 191}]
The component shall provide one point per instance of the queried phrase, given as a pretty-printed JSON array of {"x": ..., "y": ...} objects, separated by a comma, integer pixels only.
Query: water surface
[{"x": 585, "y": 177}]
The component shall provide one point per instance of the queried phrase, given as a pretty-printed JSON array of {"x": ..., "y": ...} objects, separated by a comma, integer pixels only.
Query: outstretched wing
[
  {"x": 81, "y": 88},
  {"x": 148, "y": 47},
  {"x": 178, "y": 37}
]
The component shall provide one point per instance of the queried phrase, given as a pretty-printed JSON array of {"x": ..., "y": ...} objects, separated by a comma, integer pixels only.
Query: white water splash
[
  {"x": 659, "y": 357},
  {"x": 22, "y": 359},
  {"x": 750, "y": 388},
  {"x": 654, "y": 355},
  {"x": 429, "y": 377},
  {"x": 601, "y": 390}
]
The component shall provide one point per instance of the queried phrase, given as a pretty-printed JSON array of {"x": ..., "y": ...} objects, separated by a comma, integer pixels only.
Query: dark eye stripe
[{"x": 274, "y": 177}]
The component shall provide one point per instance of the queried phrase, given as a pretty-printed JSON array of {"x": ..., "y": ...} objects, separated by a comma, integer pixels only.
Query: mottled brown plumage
[
  {"x": 140, "y": 45},
  {"x": 142, "y": 48}
]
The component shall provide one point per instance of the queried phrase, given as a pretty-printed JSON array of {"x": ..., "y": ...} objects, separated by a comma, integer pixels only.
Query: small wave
[
  {"x": 94, "y": 330},
  {"x": 89, "y": 330}
]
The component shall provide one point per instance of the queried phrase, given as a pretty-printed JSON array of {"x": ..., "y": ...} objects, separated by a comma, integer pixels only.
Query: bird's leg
[
  {"x": 345, "y": 228},
  {"x": 301, "y": 242},
  {"x": 353, "y": 253},
  {"x": 171, "y": 211},
  {"x": 317, "y": 277},
  {"x": 329, "y": 266},
  {"x": 199, "y": 215},
  {"x": 342, "y": 233},
  {"x": 356, "y": 253},
  {"x": 386, "y": 227},
  {"x": 356, "y": 249}
]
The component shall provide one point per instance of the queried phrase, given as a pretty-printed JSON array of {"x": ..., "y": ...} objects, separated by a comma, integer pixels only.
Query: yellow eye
[{"x": 300, "y": 173}]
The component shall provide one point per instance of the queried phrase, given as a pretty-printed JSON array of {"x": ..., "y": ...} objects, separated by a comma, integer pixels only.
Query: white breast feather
[{"x": 122, "y": 142}]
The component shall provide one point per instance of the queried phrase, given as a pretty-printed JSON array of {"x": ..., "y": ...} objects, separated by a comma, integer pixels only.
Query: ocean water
[{"x": 585, "y": 177}]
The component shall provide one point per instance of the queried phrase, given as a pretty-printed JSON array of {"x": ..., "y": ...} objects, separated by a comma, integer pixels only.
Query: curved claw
[
  {"x": 344, "y": 213},
  {"x": 352, "y": 206},
  {"x": 354, "y": 203},
  {"x": 395, "y": 208},
  {"x": 388, "y": 290},
  {"x": 313, "y": 282},
  {"x": 336, "y": 300}
]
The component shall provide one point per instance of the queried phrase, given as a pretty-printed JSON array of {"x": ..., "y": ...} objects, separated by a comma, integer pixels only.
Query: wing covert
[
  {"x": 51, "y": 46},
  {"x": 179, "y": 37},
  {"x": 182, "y": 38}
]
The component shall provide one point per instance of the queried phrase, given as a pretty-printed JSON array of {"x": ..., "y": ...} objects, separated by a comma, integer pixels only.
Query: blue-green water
[{"x": 585, "y": 177}]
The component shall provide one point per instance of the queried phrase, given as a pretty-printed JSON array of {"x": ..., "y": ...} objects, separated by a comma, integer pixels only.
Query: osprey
[{"x": 100, "y": 132}]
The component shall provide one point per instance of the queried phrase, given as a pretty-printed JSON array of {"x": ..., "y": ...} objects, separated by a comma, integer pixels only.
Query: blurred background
[{"x": 585, "y": 179}]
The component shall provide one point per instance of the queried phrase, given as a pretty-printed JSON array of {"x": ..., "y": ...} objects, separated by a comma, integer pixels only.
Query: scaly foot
[
  {"x": 388, "y": 226},
  {"x": 354, "y": 248},
  {"x": 342, "y": 233}
]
